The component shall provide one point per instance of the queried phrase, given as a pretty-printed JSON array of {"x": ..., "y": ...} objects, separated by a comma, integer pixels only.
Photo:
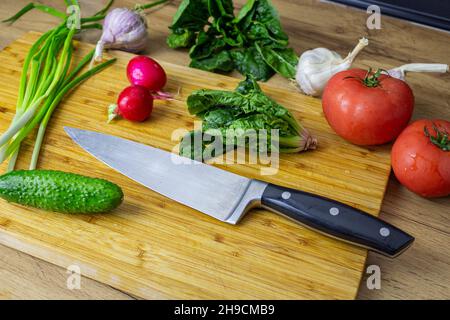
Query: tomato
[
  {"x": 367, "y": 108},
  {"x": 421, "y": 160}
]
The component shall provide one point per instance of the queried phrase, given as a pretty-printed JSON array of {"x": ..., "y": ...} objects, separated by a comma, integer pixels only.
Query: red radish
[
  {"x": 146, "y": 72},
  {"x": 135, "y": 103}
]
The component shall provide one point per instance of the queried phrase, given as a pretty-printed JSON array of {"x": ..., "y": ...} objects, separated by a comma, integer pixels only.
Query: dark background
[{"x": 434, "y": 13}]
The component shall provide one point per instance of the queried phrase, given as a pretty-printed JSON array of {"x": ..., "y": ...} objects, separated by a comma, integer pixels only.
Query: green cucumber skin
[{"x": 60, "y": 191}]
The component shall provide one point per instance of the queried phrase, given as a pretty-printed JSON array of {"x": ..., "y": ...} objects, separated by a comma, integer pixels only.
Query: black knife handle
[{"x": 337, "y": 220}]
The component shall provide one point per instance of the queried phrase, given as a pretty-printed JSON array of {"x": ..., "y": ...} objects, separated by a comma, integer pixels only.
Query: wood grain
[
  {"x": 424, "y": 270},
  {"x": 153, "y": 247},
  {"x": 32, "y": 278}
]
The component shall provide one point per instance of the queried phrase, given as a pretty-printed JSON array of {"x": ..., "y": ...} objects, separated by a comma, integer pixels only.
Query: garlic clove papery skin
[
  {"x": 123, "y": 29},
  {"x": 400, "y": 72},
  {"x": 317, "y": 66},
  {"x": 397, "y": 73}
]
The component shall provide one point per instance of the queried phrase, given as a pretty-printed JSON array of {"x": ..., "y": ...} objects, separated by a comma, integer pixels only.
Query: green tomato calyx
[{"x": 440, "y": 139}]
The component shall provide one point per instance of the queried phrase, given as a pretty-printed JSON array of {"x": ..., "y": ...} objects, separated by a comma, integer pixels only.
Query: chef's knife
[{"x": 227, "y": 196}]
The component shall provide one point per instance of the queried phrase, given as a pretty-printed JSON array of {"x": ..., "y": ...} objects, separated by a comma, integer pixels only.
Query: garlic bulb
[
  {"x": 400, "y": 72},
  {"x": 122, "y": 29},
  {"x": 315, "y": 67}
]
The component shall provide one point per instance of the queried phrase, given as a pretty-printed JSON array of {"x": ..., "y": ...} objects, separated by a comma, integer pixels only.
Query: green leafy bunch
[
  {"x": 240, "y": 111},
  {"x": 253, "y": 42}
]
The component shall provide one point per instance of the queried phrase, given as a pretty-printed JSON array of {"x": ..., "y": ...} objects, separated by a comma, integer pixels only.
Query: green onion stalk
[{"x": 47, "y": 77}]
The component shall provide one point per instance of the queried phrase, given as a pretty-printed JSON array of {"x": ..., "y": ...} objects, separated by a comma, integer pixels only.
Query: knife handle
[{"x": 337, "y": 220}]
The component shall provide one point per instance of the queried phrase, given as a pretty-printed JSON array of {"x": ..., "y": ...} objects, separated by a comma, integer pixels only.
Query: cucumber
[{"x": 60, "y": 191}]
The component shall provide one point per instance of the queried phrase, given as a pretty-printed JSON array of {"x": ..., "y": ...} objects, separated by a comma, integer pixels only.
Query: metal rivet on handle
[
  {"x": 385, "y": 232},
  {"x": 334, "y": 211},
  {"x": 286, "y": 195}
]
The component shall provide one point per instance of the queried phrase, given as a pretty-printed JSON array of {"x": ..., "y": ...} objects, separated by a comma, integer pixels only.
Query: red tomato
[
  {"x": 367, "y": 110},
  {"x": 421, "y": 165}
]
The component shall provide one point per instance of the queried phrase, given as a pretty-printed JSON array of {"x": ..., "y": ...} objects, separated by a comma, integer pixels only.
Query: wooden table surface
[{"x": 423, "y": 272}]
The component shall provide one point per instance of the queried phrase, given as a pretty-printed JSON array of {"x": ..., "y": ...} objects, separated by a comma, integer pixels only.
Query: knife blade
[{"x": 228, "y": 197}]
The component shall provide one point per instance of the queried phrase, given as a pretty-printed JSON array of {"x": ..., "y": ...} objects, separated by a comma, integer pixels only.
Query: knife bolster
[{"x": 250, "y": 198}]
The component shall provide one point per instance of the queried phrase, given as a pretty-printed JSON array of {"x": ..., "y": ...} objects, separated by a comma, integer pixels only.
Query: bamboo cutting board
[{"x": 155, "y": 248}]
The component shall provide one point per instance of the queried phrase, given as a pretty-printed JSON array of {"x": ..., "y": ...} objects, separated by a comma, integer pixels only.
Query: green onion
[
  {"x": 47, "y": 77},
  {"x": 74, "y": 83},
  {"x": 32, "y": 6},
  {"x": 105, "y": 9},
  {"x": 93, "y": 18},
  {"x": 98, "y": 26},
  {"x": 139, "y": 7}
]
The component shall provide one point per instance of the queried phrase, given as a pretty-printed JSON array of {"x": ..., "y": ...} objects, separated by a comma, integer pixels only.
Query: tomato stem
[
  {"x": 371, "y": 78},
  {"x": 441, "y": 138}
]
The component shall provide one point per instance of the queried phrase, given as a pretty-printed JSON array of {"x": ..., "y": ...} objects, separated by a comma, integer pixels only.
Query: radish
[
  {"x": 146, "y": 72},
  {"x": 135, "y": 103}
]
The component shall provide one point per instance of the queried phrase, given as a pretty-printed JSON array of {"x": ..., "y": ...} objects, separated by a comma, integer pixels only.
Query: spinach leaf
[
  {"x": 231, "y": 119},
  {"x": 189, "y": 149},
  {"x": 231, "y": 34},
  {"x": 197, "y": 145},
  {"x": 204, "y": 148},
  {"x": 259, "y": 102},
  {"x": 249, "y": 61},
  {"x": 266, "y": 14},
  {"x": 283, "y": 61},
  {"x": 181, "y": 38},
  {"x": 233, "y": 38},
  {"x": 261, "y": 121},
  {"x": 218, "y": 118},
  {"x": 253, "y": 101},
  {"x": 191, "y": 14},
  {"x": 246, "y": 11},
  {"x": 253, "y": 42},
  {"x": 218, "y": 62},
  {"x": 206, "y": 45},
  {"x": 259, "y": 33},
  {"x": 204, "y": 100},
  {"x": 248, "y": 85},
  {"x": 218, "y": 8}
]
